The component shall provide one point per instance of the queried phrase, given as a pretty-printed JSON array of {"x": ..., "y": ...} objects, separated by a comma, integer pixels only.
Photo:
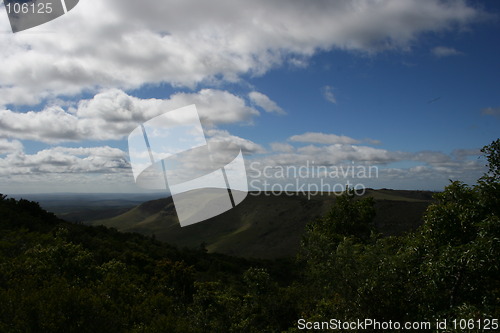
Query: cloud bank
[
  {"x": 125, "y": 44},
  {"x": 113, "y": 114}
]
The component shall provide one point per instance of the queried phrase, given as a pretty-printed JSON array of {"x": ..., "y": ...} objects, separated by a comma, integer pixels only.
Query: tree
[
  {"x": 492, "y": 153},
  {"x": 350, "y": 217},
  {"x": 455, "y": 255}
]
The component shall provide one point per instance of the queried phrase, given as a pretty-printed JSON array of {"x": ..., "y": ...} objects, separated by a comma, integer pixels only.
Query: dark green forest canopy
[{"x": 62, "y": 277}]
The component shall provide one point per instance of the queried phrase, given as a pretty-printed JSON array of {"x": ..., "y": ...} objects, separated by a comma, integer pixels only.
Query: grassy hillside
[{"x": 264, "y": 225}]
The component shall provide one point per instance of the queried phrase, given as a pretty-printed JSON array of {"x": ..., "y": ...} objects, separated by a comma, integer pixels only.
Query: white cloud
[
  {"x": 282, "y": 147},
  {"x": 339, "y": 153},
  {"x": 125, "y": 44},
  {"x": 9, "y": 146},
  {"x": 330, "y": 149},
  {"x": 226, "y": 141},
  {"x": 429, "y": 170},
  {"x": 105, "y": 168},
  {"x": 443, "y": 51},
  {"x": 94, "y": 169},
  {"x": 112, "y": 115},
  {"x": 462, "y": 154},
  {"x": 49, "y": 125},
  {"x": 332, "y": 155},
  {"x": 265, "y": 102},
  {"x": 328, "y": 94},
  {"x": 315, "y": 137},
  {"x": 332, "y": 164},
  {"x": 432, "y": 157},
  {"x": 428, "y": 177},
  {"x": 63, "y": 160},
  {"x": 330, "y": 139}
]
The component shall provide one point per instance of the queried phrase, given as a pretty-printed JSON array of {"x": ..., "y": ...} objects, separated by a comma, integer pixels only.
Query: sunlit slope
[{"x": 264, "y": 225}]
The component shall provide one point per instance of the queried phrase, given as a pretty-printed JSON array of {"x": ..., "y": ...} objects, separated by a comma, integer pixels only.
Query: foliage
[
  {"x": 62, "y": 277},
  {"x": 492, "y": 153}
]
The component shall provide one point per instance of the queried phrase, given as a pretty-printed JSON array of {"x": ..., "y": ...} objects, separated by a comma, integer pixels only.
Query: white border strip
[{"x": 64, "y": 6}]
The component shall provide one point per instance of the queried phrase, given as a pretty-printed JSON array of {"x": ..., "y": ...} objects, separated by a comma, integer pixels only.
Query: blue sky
[{"x": 411, "y": 87}]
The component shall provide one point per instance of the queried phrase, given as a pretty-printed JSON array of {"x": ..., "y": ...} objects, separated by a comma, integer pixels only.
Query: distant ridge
[
  {"x": 265, "y": 225},
  {"x": 84, "y": 207}
]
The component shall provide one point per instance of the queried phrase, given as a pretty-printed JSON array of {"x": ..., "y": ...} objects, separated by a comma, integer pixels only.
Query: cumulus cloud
[
  {"x": 8, "y": 146},
  {"x": 332, "y": 155},
  {"x": 104, "y": 48},
  {"x": 331, "y": 149},
  {"x": 372, "y": 167},
  {"x": 338, "y": 153},
  {"x": 265, "y": 102},
  {"x": 455, "y": 164},
  {"x": 443, "y": 51},
  {"x": 125, "y": 44},
  {"x": 282, "y": 147},
  {"x": 315, "y": 137},
  {"x": 399, "y": 169},
  {"x": 63, "y": 160},
  {"x": 328, "y": 94},
  {"x": 432, "y": 157},
  {"x": 96, "y": 168},
  {"x": 222, "y": 148},
  {"x": 323, "y": 138},
  {"x": 224, "y": 140},
  {"x": 428, "y": 177},
  {"x": 113, "y": 114},
  {"x": 50, "y": 125},
  {"x": 462, "y": 154}
]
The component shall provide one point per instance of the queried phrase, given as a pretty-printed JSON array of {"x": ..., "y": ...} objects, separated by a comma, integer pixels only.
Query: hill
[{"x": 265, "y": 225}]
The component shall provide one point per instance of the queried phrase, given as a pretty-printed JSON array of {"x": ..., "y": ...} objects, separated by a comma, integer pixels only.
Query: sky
[{"x": 409, "y": 87}]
